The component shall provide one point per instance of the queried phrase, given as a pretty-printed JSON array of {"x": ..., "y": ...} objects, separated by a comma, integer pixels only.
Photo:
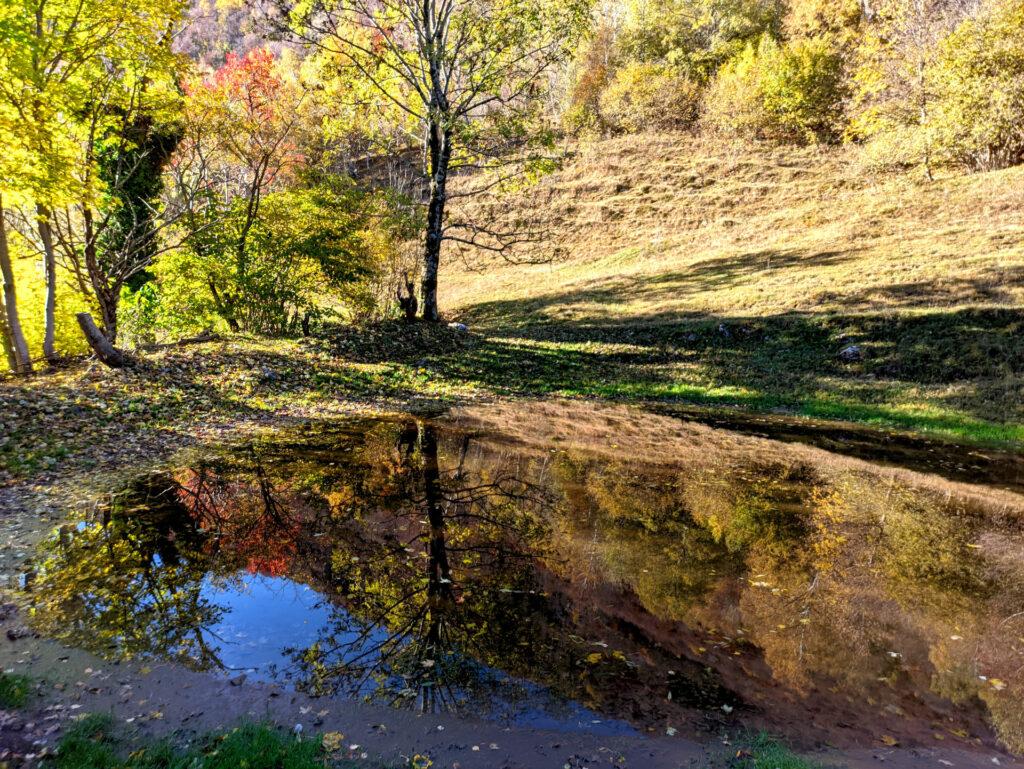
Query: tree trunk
[
  {"x": 108, "y": 314},
  {"x": 223, "y": 308},
  {"x": 440, "y": 157},
  {"x": 50, "y": 269},
  {"x": 99, "y": 343},
  {"x": 107, "y": 296},
  {"x": 5, "y": 334},
  {"x": 23, "y": 363}
]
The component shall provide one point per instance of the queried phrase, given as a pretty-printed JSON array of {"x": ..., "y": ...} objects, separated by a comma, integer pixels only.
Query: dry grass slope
[{"x": 735, "y": 275}]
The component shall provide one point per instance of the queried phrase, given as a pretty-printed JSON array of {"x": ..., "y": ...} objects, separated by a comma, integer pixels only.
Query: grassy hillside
[{"x": 737, "y": 275}]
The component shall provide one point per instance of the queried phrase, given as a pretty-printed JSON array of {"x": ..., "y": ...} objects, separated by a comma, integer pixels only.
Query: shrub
[
  {"x": 696, "y": 36},
  {"x": 978, "y": 115},
  {"x": 793, "y": 93},
  {"x": 93, "y": 743},
  {"x": 804, "y": 90},
  {"x": 642, "y": 96},
  {"x": 311, "y": 251}
]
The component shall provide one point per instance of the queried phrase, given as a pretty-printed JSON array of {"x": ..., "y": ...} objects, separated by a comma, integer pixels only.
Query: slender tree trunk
[
  {"x": 50, "y": 269},
  {"x": 224, "y": 308},
  {"x": 5, "y": 333},
  {"x": 107, "y": 296},
  {"x": 23, "y": 363},
  {"x": 922, "y": 85},
  {"x": 99, "y": 343},
  {"x": 440, "y": 158}
]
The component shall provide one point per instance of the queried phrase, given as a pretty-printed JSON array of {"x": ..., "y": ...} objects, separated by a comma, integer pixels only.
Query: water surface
[{"x": 569, "y": 569}]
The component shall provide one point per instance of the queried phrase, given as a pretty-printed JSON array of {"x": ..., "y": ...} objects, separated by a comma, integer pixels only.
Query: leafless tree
[{"x": 468, "y": 72}]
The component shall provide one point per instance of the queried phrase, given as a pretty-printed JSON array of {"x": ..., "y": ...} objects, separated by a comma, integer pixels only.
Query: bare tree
[{"x": 468, "y": 72}]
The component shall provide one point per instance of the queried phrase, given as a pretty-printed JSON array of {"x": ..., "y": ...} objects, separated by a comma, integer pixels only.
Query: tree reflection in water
[
  {"x": 439, "y": 583},
  {"x": 459, "y": 570}
]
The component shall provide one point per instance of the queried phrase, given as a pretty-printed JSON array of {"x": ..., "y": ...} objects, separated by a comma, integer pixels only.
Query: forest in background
[{"x": 270, "y": 167}]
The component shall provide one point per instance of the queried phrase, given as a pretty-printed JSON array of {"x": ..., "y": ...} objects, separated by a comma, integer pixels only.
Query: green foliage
[
  {"x": 93, "y": 744},
  {"x": 697, "y": 36},
  {"x": 784, "y": 93},
  {"x": 735, "y": 102},
  {"x": 804, "y": 90},
  {"x": 310, "y": 251},
  {"x": 14, "y": 690},
  {"x": 978, "y": 117},
  {"x": 644, "y": 96},
  {"x": 131, "y": 163}
]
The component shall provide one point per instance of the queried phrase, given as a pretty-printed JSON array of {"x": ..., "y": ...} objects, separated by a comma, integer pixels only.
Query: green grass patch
[
  {"x": 14, "y": 690},
  {"x": 766, "y": 752},
  {"x": 93, "y": 743}
]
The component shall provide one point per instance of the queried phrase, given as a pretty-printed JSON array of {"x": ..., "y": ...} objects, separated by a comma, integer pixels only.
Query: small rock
[
  {"x": 17, "y": 633},
  {"x": 7, "y": 611},
  {"x": 851, "y": 353},
  {"x": 238, "y": 680}
]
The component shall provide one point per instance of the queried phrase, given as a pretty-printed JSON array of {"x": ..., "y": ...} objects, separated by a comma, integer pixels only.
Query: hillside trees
[
  {"x": 917, "y": 82},
  {"x": 894, "y": 74},
  {"x": 787, "y": 93},
  {"x": 979, "y": 90},
  {"x": 467, "y": 72}
]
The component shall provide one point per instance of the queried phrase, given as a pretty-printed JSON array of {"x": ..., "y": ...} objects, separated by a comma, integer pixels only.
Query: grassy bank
[
  {"x": 685, "y": 272},
  {"x": 95, "y": 743},
  {"x": 922, "y": 376}
]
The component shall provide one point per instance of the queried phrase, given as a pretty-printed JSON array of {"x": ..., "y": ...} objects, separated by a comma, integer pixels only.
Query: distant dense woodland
[{"x": 267, "y": 167}]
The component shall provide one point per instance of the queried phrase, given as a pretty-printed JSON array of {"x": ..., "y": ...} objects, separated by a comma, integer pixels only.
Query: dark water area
[{"x": 714, "y": 584}]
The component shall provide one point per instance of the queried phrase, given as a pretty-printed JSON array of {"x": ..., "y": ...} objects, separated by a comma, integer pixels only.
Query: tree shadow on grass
[{"x": 972, "y": 358}]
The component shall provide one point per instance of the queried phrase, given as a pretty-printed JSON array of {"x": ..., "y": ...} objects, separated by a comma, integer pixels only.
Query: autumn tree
[
  {"x": 894, "y": 83},
  {"x": 236, "y": 148},
  {"x": 468, "y": 72},
  {"x": 979, "y": 90},
  {"x": 58, "y": 59},
  {"x": 108, "y": 236}
]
